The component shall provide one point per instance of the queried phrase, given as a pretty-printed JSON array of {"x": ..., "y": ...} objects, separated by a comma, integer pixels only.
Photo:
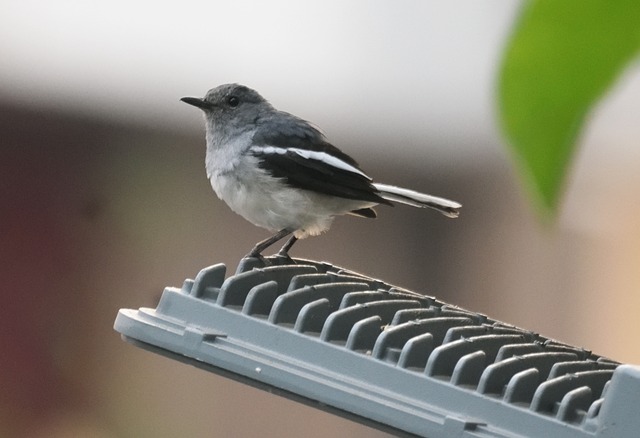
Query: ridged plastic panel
[{"x": 446, "y": 369}]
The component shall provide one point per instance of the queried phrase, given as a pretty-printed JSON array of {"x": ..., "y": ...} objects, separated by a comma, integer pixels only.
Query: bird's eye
[{"x": 233, "y": 101}]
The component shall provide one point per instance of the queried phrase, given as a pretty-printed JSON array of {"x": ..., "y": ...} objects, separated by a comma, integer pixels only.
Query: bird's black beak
[{"x": 197, "y": 102}]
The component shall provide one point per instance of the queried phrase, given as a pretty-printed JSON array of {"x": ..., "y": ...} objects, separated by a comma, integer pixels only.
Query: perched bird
[{"x": 281, "y": 173}]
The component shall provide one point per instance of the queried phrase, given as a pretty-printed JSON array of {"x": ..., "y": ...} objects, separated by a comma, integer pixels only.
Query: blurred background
[{"x": 104, "y": 199}]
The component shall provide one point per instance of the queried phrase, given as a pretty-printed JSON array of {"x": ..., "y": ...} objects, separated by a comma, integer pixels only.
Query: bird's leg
[
  {"x": 284, "y": 251},
  {"x": 266, "y": 243}
]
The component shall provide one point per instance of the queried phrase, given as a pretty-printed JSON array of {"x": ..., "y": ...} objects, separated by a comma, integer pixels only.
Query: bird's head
[{"x": 230, "y": 106}]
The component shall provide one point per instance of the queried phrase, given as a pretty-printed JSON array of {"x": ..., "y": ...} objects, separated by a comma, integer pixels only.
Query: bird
[{"x": 281, "y": 173}]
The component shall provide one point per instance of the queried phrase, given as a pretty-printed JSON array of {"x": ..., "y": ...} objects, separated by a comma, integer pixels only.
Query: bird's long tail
[{"x": 417, "y": 199}]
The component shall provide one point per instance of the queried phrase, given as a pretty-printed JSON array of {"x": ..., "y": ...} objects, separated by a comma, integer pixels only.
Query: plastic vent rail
[{"x": 388, "y": 357}]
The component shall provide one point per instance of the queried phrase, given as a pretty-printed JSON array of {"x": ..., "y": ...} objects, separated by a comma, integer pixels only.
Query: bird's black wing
[{"x": 292, "y": 149}]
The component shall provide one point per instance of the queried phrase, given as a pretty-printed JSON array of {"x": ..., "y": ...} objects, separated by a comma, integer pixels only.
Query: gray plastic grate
[{"x": 392, "y": 358}]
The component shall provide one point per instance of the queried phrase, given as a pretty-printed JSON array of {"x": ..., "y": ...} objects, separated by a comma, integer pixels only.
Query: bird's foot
[{"x": 285, "y": 257}]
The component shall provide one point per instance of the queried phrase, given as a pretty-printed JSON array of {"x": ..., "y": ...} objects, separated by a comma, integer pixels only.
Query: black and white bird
[{"x": 281, "y": 173}]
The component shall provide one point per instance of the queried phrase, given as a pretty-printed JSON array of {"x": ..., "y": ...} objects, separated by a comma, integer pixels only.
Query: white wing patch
[{"x": 324, "y": 157}]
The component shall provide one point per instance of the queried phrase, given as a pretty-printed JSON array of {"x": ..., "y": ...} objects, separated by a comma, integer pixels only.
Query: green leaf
[{"x": 562, "y": 57}]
